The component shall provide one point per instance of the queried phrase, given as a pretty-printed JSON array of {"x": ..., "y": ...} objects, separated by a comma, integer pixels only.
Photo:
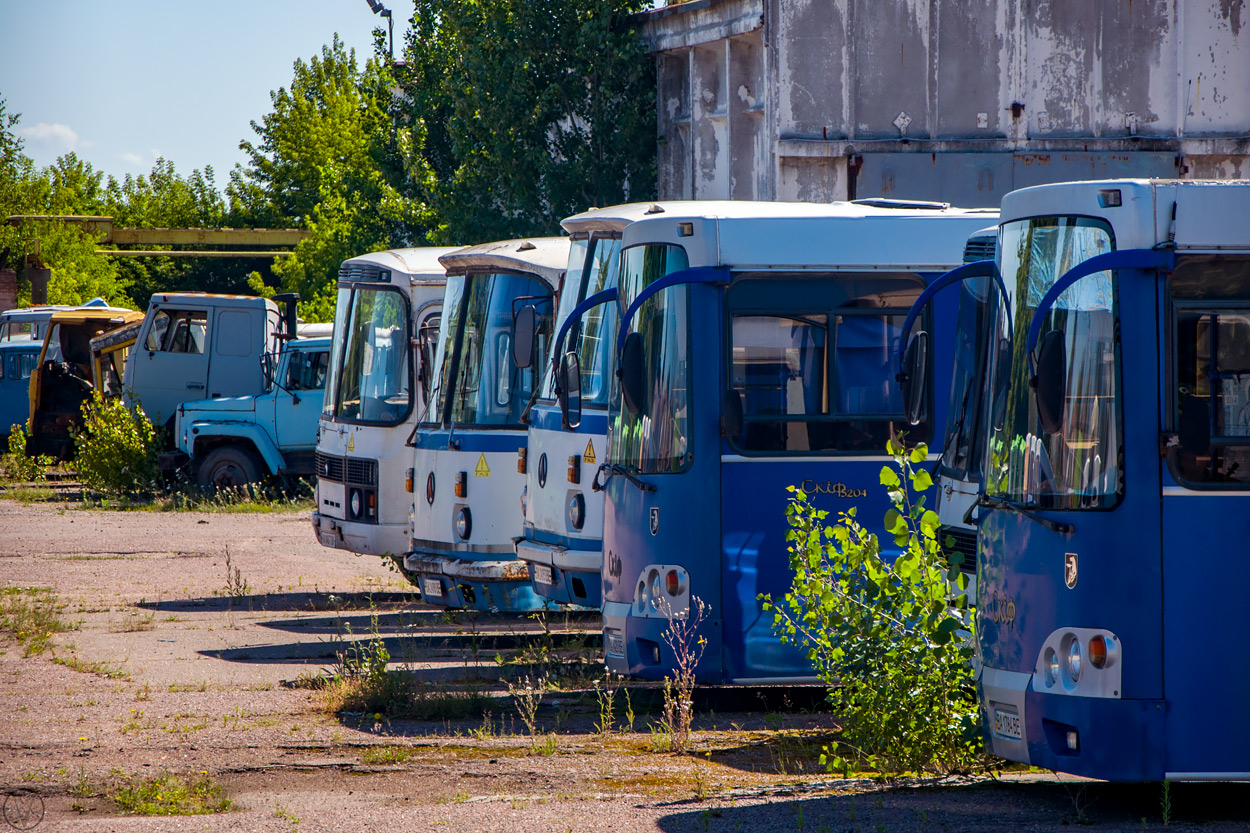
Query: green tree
[
  {"x": 534, "y": 110},
  {"x": 331, "y": 158}
]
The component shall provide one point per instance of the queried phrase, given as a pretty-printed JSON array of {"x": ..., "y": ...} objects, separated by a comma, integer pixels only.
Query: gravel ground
[{"x": 169, "y": 671}]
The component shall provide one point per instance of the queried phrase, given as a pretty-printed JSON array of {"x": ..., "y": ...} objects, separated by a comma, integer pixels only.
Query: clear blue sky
[{"x": 121, "y": 82}]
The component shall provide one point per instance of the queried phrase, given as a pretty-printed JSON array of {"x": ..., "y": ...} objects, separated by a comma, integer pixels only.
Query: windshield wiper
[
  {"x": 1004, "y": 503},
  {"x": 611, "y": 469}
]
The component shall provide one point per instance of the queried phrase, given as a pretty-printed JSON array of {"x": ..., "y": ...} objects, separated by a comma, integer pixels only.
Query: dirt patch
[{"x": 172, "y": 666}]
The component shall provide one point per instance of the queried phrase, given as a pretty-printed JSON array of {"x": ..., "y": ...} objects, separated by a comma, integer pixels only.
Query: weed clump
[
  {"x": 169, "y": 795},
  {"x": 31, "y": 615},
  {"x": 890, "y": 636},
  {"x": 116, "y": 449},
  {"x": 17, "y": 466}
]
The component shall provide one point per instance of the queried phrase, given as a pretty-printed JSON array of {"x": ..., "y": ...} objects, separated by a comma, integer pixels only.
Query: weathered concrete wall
[
  {"x": 960, "y": 100},
  {"x": 8, "y": 289}
]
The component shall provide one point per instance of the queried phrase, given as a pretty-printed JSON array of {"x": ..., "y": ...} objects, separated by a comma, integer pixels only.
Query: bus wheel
[{"x": 227, "y": 467}]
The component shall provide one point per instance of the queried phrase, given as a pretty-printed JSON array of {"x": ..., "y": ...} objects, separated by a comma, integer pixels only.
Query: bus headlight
[
  {"x": 464, "y": 523},
  {"x": 1051, "y": 667},
  {"x": 1074, "y": 659},
  {"x": 356, "y": 504},
  {"x": 429, "y": 489},
  {"x": 577, "y": 510}
]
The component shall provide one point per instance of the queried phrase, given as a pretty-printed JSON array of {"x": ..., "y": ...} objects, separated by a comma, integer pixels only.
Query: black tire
[{"x": 227, "y": 467}]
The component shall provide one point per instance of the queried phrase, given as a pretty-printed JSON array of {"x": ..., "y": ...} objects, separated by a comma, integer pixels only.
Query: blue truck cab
[{"x": 233, "y": 440}]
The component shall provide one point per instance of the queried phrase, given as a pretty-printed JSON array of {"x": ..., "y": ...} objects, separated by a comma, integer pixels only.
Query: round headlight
[
  {"x": 464, "y": 523},
  {"x": 1074, "y": 660},
  {"x": 355, "y": 503},
  {"x": 429, "y": 489},
  {"x": 655, "y": 585},
  {"x": 1050, "y": 666},
  {"x": 577, "y": 511}
]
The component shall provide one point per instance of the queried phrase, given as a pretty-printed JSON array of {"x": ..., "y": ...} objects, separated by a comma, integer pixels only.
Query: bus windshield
[
  {"x": 370, "y": 365},
  {"x": 595, "y": 334},
  {"x": 1078, "y": 467},
  {"x": 478, "y": 383},
  {"x": 962, "y": 449},
  {"x": 657, "y": 438}
]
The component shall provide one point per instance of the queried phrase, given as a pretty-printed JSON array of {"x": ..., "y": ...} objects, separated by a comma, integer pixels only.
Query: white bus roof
[
  {"x": 546, "y": 257},
  {"x": 1210, "y": 214},
  {"x": 418, "y": 263},
  {"x": 44, "y": 311},
  {"x": 778, "y": 236},
  {"x": 613, "y": 218}
]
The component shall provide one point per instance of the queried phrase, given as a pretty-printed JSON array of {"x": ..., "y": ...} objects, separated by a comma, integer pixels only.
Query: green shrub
[
  {"x": 116, "y": 449},
  {"x": 891, "y": 639},
  {"x": 17, "y": 465}
]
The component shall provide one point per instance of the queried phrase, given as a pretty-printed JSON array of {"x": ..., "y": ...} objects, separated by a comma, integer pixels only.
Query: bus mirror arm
[
  {"x": 607, "y": 470},
  {"x": 1002, "y": 503}
]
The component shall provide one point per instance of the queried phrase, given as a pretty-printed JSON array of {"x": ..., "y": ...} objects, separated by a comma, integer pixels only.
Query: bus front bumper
[
  {"x": 1097, "y": 737},
  {"x": 563, "y": 575},
  {"x": 494, "y": 586}
]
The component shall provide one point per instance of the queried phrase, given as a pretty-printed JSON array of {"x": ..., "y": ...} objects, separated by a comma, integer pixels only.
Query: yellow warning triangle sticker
[
  {"x": 589, "y": 456},
  {"x": 482, "y": 469},
  {"x": 351, "y": 442}
]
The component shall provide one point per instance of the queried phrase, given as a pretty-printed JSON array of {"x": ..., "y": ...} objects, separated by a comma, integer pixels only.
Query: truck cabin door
[
  {"x": 238, "y": 344},
  {"x": 172, "y": 366},
  {"x": 297, "y": 404}
]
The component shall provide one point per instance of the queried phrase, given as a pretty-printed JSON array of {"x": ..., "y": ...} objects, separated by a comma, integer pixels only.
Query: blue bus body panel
[
  {"x": 688, "y": 514},
  {"x": 1120, "y": 740},
  {"x": 545, "y": 416},
  {"x": 1206, "y": 674},
  {"x": 14, "y": 388},
  {"x": 755, "y": 557},
  {"x": 1120, "y": 571}
]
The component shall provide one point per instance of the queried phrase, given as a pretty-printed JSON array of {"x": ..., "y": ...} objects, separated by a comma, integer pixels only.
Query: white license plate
[
  {"x": 329, "y": 539},
  {"x": 431, "y": 587},
  {"x": 544, "y": 574},
  {"x": 615, "y": 642},
  {"x": 1007, "y": 724}
]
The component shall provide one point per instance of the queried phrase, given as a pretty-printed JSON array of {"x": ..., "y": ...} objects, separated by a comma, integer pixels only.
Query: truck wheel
[{"x": 227, "y": 467}]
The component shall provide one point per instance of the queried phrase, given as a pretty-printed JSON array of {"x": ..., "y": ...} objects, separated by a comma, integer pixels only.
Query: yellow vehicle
[{"x": 68, "y": 374}]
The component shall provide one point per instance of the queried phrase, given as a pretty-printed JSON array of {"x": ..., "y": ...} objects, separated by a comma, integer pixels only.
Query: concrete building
[{"x": 952, "y": 100}]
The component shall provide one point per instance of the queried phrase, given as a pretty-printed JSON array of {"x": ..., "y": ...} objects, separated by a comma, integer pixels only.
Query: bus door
[
  {"x": 1206, "y": 477},
  {"x": 1070, "y": 588},
  {"x": 661, "y": 481},
  {"x": 811, "y": 402}
]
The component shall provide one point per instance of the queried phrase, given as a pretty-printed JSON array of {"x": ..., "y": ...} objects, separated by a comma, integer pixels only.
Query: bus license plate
[
  {"x": 1007, "y": 724},
  {"x": 328, "y": 539},
  {"x": 544, "y": 574},
  {"x": 431, "y": 587},
  {"x": 615, "y": 642}
]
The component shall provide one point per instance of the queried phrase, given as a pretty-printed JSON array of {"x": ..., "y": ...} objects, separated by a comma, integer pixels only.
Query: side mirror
[
  {"x": 1194, "y": 429},
  {"x": 731, "y": 415},
  {"x": 632, "y": 375},
  {"x": 524, "y": 336},
  {"x": 914, "y": 378},
  {"x": 1050, "y": 381},
  {"x": 570, "y": 391}
]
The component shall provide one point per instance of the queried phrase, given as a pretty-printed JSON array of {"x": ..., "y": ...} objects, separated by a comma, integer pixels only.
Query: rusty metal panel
[
  {"x": 812, "y": 179},
  {"x": 1041, "y": 168}
]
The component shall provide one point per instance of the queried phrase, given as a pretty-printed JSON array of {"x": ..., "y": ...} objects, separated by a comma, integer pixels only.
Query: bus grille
[
  {"x": 329, "y": 468},
  {"x": 362, "y": 472},
  {"x": 965, "y": 545}
]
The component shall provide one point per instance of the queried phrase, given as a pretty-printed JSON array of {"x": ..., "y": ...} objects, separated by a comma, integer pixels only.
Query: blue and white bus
[
  {"x": 1116, "y": 483},
  {"x": 756, "y": 352},
  {"x": 468, "y": 488},
  {"x": 563, "y": 542},
  {"x": 377, "y": 387}
]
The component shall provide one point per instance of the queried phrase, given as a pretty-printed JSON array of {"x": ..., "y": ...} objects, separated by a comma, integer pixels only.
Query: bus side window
[{"x": 1212, "y": 396}]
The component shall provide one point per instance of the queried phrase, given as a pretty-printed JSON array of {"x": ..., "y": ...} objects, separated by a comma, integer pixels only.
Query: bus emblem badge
[
  {"x": 1069, "y": 569},
  {"x": 655, "y": 520}
]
